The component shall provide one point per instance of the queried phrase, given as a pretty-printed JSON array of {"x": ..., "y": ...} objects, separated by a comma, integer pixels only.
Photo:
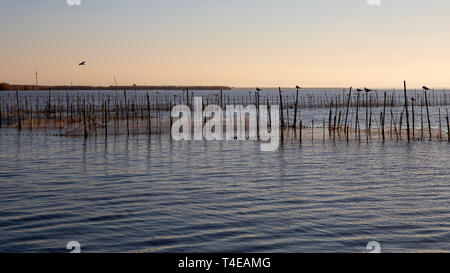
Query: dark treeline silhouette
[{"x": 20, "y": 87}]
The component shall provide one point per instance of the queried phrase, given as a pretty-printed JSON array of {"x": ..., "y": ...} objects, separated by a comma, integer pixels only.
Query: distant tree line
[{"x": 22, "y": 87}]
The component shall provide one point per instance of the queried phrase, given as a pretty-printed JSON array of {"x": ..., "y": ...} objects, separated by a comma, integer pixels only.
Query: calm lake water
[{"x": 128, "y": 194}]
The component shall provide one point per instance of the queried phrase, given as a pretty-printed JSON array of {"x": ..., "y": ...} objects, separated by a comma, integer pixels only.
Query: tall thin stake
[
  {"x": 407, "y": 113},
  {"x": 295, "y": 111},
  {"x": 348, "y": 106},
  {"x": 428, "y": 115}
]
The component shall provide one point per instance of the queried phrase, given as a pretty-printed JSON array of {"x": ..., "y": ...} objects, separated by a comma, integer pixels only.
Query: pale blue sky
[{"x": 230, "y": 42}]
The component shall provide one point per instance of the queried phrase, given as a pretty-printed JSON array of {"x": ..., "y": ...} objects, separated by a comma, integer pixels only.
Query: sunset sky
[{"x": 267, "y": 43}]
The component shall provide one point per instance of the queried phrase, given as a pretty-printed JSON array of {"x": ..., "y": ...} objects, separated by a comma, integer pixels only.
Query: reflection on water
[{"x": 138, "y": 194}]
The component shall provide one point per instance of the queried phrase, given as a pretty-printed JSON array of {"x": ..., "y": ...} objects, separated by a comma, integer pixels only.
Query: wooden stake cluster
[{"x": 129, "y": 112}]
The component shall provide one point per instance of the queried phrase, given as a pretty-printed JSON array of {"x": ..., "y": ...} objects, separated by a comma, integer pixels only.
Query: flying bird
[
  {"x": 425, "y": 88},
  {"x": 82, "y": 63}
]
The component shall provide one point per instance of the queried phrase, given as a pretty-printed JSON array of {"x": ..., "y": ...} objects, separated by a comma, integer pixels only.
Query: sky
[{"x": 239, "y": 43}]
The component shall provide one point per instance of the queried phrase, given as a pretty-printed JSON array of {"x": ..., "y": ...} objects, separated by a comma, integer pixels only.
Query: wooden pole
[
  {"x": 448, "y": 127},
  {"x": 407, "y": 113},
  {"x": 348, "y": 106},
  {"x": 330, "y": 114},
  {"x": 382, "y": 126},
  {"x": 421, "y": 121},
  {"x": 413, "y": 120},
  {"x": 295, "y": 111},
  {"x": 384, "y": 117},
  {"x": 339, "y": 122},
  {"x": 301, "y": 128},
  {"x": 257, "y": 114},
  {"x": 400, "y": 125},
  {"x": 357, "y": 132},
  {"x": 428, "y": 115},
  {"x": 394, "y": 122},
  {"x": 323, "y": 129},
  {"x": 368, "y": 116},
  {"x": 440, "y": 125},
  {"x": 281, "y": 109},
  {"x": 334, "y": 126}
]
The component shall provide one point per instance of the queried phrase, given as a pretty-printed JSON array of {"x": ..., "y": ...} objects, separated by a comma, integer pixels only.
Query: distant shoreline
[{"x": 25, "y": 87}]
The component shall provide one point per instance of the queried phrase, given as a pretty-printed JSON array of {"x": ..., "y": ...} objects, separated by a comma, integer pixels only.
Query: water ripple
[{"x": 165, "y": 196}]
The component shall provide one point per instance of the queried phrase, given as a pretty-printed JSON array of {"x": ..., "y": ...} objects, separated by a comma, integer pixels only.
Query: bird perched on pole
[
  {"x": 425, "y": 88},
  {"x": 367, "y": 90},
  {"x": 359, "y": 90},
  {"x": 257, "y": 89}
]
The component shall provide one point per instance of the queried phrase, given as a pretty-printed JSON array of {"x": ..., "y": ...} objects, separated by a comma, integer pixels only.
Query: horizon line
[{"x": 219, "y": 86}]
